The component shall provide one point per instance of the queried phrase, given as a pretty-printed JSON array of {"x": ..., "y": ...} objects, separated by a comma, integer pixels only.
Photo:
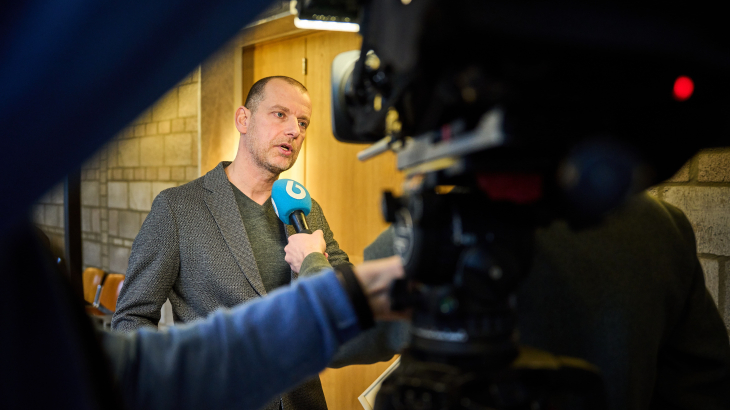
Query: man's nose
[{"x": 292, "y": 128}]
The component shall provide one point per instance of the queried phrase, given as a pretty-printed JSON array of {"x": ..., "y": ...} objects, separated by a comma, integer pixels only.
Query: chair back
[
  {"x": 110, "y": 291},
  {"x": 92, "y": 278}
]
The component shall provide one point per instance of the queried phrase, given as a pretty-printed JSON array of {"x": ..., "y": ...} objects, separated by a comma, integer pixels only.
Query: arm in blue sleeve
[
  {"x": 236, "y": 358},
  {"x": 386, "y": 338}
]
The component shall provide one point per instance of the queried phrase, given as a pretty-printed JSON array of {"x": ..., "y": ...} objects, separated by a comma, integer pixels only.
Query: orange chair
[
  {"x": 110, "y": 292},
  {"x": 92, "y": 279},
  {"x": 106, "y": 304}
]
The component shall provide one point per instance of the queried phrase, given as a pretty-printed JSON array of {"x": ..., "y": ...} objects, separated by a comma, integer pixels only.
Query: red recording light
[{"x": 683, "y": 88}]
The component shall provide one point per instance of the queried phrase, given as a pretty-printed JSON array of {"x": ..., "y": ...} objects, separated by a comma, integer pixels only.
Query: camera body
[{"x": 505, "y": 116}]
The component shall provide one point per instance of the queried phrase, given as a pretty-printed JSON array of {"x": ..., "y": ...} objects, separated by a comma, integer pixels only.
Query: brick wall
[
  {"x": 158, "y": 150},
  {"x": 702, "y": 190}
]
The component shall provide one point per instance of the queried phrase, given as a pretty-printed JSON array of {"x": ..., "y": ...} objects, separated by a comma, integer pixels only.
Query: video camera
[{"x": 507, "y": 115}]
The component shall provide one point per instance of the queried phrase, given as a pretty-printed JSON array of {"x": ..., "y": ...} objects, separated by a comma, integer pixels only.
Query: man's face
[{"x": 277, "y": 128}]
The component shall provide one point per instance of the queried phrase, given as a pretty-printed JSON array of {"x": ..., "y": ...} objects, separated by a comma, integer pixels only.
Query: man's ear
[{"x": 243, "y": 119}]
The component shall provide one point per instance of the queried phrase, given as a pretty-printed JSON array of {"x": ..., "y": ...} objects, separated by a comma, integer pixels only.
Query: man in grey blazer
[{"x": 216, "y": 241}]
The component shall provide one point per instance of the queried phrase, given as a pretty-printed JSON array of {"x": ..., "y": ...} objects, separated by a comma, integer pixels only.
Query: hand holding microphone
[
  {"x": 292, "y": 204},
  {"x": 302, "y": 245}
]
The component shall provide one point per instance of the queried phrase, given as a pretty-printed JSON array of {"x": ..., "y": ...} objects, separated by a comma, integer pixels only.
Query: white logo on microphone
[{"x": 296, "y": 195}]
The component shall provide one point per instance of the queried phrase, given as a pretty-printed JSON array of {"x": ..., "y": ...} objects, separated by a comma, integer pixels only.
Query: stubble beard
[{"x": 259, "y": 152}]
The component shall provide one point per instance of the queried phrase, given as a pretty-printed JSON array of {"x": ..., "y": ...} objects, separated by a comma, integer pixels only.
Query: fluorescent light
[{"x": 326, "y": 25}]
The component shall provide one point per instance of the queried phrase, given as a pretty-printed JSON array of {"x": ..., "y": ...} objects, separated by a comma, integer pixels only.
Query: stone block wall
[
  {"x": 47, "y": 214},
  {"x": 157, "y": 151},
  {"x": 702, "y": 190}
]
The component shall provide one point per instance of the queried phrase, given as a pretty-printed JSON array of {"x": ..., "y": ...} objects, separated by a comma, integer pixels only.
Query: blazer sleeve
[
  {"x": 386, "y": 339},
  {"x": 154, "y": 265},
  {"x": 336, "y": 255}
]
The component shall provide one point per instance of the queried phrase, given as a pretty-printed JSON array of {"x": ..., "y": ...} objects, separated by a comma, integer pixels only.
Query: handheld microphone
[{"x": 291, "y": 203}]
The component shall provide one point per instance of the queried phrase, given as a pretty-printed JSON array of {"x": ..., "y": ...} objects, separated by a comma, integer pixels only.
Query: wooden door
[{"x": 283, "y": 57}]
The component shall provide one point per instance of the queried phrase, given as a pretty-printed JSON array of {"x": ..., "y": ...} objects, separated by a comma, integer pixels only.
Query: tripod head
[{"x": 525, "y": 112}]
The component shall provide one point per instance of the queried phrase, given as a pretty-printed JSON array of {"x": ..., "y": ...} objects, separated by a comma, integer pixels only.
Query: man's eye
[
  {"x": 279, "y": 114},
  {"x": 303, "y": 124}
]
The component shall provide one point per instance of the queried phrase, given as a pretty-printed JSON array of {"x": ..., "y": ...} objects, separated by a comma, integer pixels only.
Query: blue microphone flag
[{"x": 288, "y": 196}]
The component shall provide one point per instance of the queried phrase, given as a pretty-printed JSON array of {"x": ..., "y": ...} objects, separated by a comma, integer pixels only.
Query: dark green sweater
[{"x": 268, "y": 237}]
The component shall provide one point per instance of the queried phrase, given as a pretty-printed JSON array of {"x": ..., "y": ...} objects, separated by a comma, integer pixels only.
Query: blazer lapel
[{"x": 222, "y": 205}]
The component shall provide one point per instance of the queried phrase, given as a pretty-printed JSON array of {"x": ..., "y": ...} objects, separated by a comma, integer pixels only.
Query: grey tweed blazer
[{"x": 193, "y": 249}]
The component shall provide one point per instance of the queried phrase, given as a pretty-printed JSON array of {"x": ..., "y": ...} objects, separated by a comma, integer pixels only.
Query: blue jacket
[{"x": 238, "y": 358}]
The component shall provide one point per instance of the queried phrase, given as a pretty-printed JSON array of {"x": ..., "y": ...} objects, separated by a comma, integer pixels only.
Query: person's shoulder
[
  {"x": 650, "y": 210},
  {"x": 316, "y": 207},
  {"x": 649, "y": 207},
  {"x": 211, "y": 180},
  {"x": 184, "y": 191},
  {"x": 678, "y": 218},
  {"x": 382, "y": 246}
]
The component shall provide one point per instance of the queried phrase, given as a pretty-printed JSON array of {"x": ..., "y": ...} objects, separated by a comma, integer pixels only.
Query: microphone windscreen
[{"x": 288, "y": 196}]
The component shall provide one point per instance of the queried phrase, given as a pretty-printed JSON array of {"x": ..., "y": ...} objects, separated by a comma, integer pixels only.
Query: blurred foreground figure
[
  {"x": 629, "y": 296},
  {"x": 522, "y": 152}
]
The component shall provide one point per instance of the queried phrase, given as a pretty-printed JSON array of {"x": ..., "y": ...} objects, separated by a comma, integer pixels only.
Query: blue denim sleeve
[{"x": 238, "y": 358}]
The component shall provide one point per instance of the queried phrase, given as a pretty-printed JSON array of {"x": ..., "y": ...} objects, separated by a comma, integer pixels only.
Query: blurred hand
[
  {"x": 375, "y": 278},
  {"x": 302, "y": 244}
]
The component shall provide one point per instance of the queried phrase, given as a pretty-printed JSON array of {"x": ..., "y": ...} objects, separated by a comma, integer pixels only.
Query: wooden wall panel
[
  {"x": 343, "y": 386},
  {"x": 247, "y": 77},
  {"x": 348, "y": 190},
  {"x": 218, "y": 135}
]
